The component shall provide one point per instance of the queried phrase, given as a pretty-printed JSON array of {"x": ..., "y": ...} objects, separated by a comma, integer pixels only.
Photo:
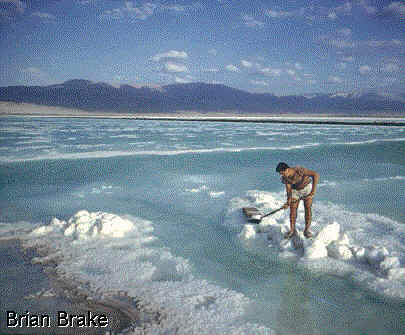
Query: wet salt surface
[
  {"x": 186, "y": 248},
  {"x": 27, "y": 290},
  {"x": 117, "y": 253},
  {"x": 21, "y": 278}
]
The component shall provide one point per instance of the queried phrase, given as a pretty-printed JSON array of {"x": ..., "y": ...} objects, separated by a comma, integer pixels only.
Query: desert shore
[{"x": 31, "y": 110}]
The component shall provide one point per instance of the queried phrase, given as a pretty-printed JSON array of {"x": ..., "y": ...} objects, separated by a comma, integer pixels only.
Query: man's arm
[
  {"x": 315, "y": 178},
  {"x": 288, "y": 191}
]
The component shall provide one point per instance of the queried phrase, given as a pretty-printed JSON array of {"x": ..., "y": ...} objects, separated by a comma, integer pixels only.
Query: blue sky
[{"x": 280, "y": 47}]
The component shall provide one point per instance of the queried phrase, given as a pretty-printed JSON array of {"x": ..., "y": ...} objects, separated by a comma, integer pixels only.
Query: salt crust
[
  {"x": 363, "y": 246},
  {"x": 115, "y": 253},
  {"x": 112, "y": 253}
]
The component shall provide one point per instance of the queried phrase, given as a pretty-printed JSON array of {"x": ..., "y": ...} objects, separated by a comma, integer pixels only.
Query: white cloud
[
  {"x": 341, "y": 66},
  {"x": 348, "y": 59},
  {"x": 212, "y": 70},
  {"x": 384, "y": 43},
  {"x": 346, "y": 8},
  {"x": 114, "y": 14},
  {"x": 11, "y": 8},
  {"x": 345, "y": 42},
  {"x": 341, "y": 44},
  {"x": 84, "y": 2},
  {"x": 141, "y": 13},
  {"x": 213, "y": 52},
  {"x": 345, "y": 32},
  {"x": 369, "y": 9},
  {"x": 182, "y": 8},
  {"x": 332, "y": 16},
  {"x": 232, "y": 68},
  {"x": 291, "y": 72},
  {"x": 246, "y": 63},
  {"x": 179, "y": 80},
  {"x": 396, "y": 8},
  {"x": 174, "y": 67},
  {"x": 176, "y": 8},
  {"x": 88, "y": 2},
  {"x": 278, "y": 14},
  {"x": 318, "y": 12},
  {"x": 174, "y": 54},
  {"x": 267, "y": 71},
  {"x": 249, "y": 21},
  {"x": 375, "y": 44},
  {"x": 144, "y": 11},
  {"x": 397, "y": 43},
  {"x": 45, "y": 16},
  {"x": 390, "y": 67},
  {"x": 335, "y": 79},
  {"x": 298, "y": 66},
  {"x": 185, "y": 80},
  {"x": 259, "y": 82},
  {"x": 364, "y": 69},
  {"x": 33, "y": 70}
]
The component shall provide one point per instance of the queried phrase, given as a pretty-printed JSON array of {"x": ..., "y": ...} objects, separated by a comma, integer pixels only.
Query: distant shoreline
[{"x": 10, "y": 109}]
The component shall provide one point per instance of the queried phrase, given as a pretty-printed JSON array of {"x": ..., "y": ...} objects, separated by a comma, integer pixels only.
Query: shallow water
[{"x": 188, "y": 179}]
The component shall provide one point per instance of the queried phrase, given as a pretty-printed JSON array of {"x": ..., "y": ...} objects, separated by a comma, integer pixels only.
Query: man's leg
[
  {"x": 293, "y": 214},
  {"x": 308, "y": 215}
]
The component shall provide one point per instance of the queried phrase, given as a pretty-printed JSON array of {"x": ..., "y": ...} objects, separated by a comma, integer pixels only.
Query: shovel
[{"x": 254, "y": 215}]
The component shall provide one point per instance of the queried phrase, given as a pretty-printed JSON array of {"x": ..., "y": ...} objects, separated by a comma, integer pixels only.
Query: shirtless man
[{"x": 300, "y": 183}]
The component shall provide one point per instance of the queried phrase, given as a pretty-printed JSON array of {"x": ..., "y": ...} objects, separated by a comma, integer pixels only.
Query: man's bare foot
[
  {"x": 290, "y": 234},
  {"x": 308, "y": 234}
]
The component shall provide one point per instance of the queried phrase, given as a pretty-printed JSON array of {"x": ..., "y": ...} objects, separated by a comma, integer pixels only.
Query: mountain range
[{"x": 201, "y": 97}]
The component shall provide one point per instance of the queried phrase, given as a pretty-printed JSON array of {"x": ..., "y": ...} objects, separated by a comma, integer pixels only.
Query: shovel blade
[{"x": 253, "y": 214}]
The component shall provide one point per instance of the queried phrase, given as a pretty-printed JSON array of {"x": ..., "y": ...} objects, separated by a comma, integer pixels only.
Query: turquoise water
[{"x": 185, "y": 178}]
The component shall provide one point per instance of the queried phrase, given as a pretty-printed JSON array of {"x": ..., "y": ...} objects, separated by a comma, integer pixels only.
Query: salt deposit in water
[
  {"x": 344, "y": 242},
  {"x": 116, "y": 253}
]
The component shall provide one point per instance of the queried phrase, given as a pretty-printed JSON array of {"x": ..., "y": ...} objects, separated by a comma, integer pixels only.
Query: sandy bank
[{"x": 30, "y": 110}]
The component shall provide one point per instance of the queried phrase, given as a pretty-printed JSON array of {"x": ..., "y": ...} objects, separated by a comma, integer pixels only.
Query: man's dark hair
[{"x": 281, "y": 167}]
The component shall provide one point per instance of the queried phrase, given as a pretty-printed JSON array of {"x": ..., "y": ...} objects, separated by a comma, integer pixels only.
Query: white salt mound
[
  {"x": 358, "y": 244},
  {"x": 84, "y": 225},
  {"x": 126, "y": 260}
]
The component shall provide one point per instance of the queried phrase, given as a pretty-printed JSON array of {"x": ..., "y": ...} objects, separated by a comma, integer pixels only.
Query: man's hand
[
  {"x": 287, "y": 204},
  {"x": 310, "y": 195}
]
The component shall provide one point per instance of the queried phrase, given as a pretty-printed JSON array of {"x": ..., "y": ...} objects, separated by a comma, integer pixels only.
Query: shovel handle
[{"x": 275, "y": 211}]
